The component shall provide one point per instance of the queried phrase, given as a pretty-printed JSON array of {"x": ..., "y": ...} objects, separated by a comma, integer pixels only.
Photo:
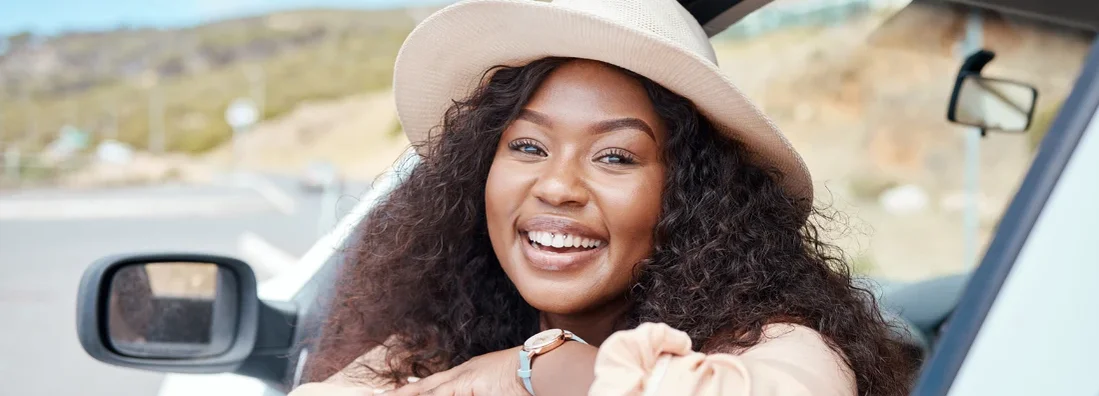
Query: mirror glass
[
  {"x": 173, "y": 309},
  {"x": 994, "y": 104}
]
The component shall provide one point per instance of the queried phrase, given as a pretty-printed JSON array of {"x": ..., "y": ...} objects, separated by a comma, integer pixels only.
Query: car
[{"x": 1022, "y": 322}]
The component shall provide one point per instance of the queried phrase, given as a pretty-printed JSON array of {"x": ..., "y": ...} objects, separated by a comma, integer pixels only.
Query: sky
[{"x": 55, "y": 16}]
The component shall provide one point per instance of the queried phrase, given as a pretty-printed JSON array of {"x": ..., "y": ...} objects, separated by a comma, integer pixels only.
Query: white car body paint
[{"x": 1040, "y": 335}]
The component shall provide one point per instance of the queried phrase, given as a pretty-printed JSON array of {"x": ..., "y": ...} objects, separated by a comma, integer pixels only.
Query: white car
[{"x": 1024, "y": 322}]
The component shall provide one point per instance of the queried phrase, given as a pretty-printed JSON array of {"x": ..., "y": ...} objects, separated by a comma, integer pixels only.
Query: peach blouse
[{"x": 655, "y": 359}]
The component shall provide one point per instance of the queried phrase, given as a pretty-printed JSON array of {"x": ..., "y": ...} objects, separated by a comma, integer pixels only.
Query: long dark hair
[{"x": 733, "y": 252}]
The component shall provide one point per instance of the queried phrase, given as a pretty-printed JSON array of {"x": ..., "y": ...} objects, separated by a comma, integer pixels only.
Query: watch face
[{"x": 544, "y": 338}]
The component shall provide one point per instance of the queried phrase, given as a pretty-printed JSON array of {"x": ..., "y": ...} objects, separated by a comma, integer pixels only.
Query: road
[{"x": 48, "y": 237}]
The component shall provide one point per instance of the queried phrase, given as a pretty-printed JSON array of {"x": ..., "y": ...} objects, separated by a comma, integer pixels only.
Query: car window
[
  {"x": 1038, "y": 278},
  {"x": 861, "y": 89},
  {"x": 1051, "y": 289}
]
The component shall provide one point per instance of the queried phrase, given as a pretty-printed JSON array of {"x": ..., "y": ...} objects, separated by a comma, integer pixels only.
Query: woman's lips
[{"x": 558, "y": 259}]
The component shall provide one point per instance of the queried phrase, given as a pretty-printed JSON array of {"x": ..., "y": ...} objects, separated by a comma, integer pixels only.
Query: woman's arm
[
  {"x": 567, "y": 370},
  {"x": 354, "y": 380},
  {"x": 655, "y": 359}
]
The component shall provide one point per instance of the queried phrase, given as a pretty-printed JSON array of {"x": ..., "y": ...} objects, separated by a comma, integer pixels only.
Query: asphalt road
[{"x": 48, "y": 237}]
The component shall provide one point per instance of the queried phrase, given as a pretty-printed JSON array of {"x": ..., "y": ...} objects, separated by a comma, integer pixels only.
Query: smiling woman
[{"x": 570, "y": 199}]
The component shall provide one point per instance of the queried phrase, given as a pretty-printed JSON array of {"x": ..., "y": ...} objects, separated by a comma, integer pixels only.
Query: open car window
[
  {"x": 1026, "y": 324},
  {"x": 861, "y": 89}
]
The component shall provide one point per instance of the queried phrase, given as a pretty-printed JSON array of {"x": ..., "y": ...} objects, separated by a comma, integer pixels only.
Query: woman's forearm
[{"x": 567, "y": 370}]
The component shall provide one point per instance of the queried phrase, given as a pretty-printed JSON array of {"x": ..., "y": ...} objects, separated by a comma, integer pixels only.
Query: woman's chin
[{"x": 559, "y": 299}]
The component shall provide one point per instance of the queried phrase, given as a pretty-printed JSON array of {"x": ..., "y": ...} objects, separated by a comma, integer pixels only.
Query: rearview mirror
[
  {"x": 182, "y": 313},
  {"x": 992, "y": 104}
]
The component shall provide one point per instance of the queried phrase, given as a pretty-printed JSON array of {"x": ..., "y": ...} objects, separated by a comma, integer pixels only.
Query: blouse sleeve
[{"x": 655, "y": 359}]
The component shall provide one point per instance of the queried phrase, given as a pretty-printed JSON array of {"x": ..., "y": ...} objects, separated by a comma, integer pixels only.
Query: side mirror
[
  {"x": 183, "y": 313},
  {"x": 992, "y": 104}
]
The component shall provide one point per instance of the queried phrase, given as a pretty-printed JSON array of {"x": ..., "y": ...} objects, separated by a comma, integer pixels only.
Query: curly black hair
[{"x": 733, "y": 252}]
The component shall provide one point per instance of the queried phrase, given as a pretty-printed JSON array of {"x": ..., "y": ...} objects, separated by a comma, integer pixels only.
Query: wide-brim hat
[{"x": 445, "y": 57}]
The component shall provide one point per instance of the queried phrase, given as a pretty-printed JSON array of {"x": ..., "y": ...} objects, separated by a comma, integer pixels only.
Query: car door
[{"x": 1028, "y": 321}]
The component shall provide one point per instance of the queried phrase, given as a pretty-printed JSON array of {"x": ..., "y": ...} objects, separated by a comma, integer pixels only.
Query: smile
[
  {"x": 559, "y": 252},
  {"x": 552, "y": 243},
  {"x": 556, "y": 255},
  {"x": 557, "y": 241}
]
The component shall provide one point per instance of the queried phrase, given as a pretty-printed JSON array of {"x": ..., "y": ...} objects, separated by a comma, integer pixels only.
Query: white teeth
[
  {"x": 558, "y": 240},
  {"x": 561, "y": 240},
  {"x": 545, "y": 239}
]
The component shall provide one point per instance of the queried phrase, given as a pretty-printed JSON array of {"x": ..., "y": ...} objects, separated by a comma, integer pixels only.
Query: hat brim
[{"x": 445, "y": 57}]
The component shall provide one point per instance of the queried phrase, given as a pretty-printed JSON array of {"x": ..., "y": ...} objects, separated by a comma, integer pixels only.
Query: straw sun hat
[{"x": 444, "y": 58}]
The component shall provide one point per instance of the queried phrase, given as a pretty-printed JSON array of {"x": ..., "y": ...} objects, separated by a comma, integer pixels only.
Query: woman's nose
[{"x": 562, "y": 184}]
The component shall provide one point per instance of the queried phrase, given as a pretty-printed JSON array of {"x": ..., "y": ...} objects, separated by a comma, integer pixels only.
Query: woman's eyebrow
[
  {"x": 535, "y": 117},
  {"x": 600, "y": 127},
  {"x": 624, "y": 123}
]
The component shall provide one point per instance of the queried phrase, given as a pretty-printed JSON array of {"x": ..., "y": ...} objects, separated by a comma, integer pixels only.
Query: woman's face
[{"x": 575, "y": 188}]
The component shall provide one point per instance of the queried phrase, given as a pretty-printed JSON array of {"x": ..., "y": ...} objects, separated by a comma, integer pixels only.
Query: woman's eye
[
  {"x": 527, "y": 147},
  {"x": 617, "y": 157}
]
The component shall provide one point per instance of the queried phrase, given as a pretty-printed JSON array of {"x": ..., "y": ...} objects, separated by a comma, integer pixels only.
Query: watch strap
[
  {"x": 525, "y": 361},
  {"x": 572, "y": 336},
  {"x": 524, "y": 370}
]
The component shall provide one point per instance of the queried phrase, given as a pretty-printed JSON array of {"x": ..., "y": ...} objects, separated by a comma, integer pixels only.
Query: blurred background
[{"x": 249, "y": 127}]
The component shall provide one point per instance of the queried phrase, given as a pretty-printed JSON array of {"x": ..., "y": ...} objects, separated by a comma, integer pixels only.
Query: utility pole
[
  {"x": 31, "y": 112},
  {"x": 3, "y": 83},
  {"x": 257, "y": 87},
  {"x": 4, "y": 140},
  {"x": 156, "y": 113},
  {"x": 974, "y": 40},
  {"x": 112, "y": 125}
]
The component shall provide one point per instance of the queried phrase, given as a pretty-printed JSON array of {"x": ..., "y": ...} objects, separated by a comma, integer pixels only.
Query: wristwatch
[{"x": 540, "y": 344}]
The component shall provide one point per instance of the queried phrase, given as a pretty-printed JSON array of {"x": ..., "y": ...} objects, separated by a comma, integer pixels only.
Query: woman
[{"x": 609, "y": 188}]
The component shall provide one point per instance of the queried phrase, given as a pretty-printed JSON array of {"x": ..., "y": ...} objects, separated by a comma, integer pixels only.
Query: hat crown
[{"x": 664, "y": 18}]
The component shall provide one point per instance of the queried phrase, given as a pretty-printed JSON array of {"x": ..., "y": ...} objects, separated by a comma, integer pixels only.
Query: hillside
[
  {"x": 110, "y": 83},
  {"x": 863, "y": 101}
]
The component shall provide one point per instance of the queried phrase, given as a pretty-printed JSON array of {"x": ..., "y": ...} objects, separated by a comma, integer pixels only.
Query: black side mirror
[
  {"x": 183, "y": 313},
  {"x": 992, "y": 104},
  {"x": 172, "y": 312}
]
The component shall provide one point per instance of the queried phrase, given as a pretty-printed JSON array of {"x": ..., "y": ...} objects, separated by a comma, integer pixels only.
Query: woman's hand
[
  {"x": 491, "y": 374},
  {"x": 353, "y": 380}
]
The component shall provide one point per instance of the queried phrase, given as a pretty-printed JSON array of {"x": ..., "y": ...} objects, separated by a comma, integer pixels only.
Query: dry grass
[
  {"x": 354, "y": 55},
  {"x": 355, "y": 133}
]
